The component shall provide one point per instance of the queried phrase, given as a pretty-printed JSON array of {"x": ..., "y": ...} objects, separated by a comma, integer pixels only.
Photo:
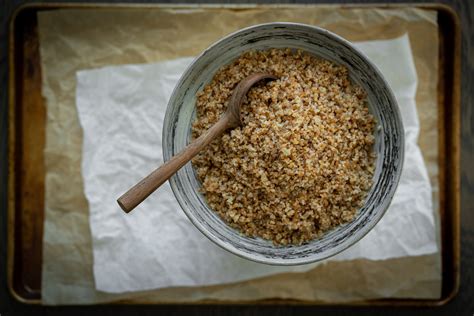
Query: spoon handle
[{"x": 130, "y": 199}]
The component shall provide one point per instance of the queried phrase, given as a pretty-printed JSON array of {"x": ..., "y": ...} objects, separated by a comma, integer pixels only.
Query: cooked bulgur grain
[{"x": 302, "y": 162}]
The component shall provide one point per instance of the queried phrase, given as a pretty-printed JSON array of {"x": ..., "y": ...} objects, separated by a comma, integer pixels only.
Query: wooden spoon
[{"x": 230, "y": 119}]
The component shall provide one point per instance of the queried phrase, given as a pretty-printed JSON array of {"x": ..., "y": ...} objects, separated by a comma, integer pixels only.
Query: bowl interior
[{"x": 389, "y": 142}]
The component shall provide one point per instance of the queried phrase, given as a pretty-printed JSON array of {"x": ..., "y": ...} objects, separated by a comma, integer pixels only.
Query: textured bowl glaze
[{"x": 389, "y": 143}]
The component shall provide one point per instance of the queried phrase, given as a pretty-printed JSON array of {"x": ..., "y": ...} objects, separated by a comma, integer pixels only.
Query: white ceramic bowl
[{"x": 389, "y": 136}]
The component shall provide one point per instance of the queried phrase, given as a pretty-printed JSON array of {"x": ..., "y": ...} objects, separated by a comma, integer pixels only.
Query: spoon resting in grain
[{"x": 230, "y": 119}]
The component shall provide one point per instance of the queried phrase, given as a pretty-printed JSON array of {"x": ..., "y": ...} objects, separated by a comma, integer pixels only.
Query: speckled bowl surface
[{"x": 389, "y": 143}]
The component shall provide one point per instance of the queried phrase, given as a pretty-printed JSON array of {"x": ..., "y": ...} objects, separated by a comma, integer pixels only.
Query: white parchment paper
[{"x": 121, "y": 110}]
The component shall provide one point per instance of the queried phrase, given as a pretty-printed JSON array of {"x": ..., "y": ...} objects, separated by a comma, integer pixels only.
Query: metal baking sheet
[{"x": 27, "y": 137}]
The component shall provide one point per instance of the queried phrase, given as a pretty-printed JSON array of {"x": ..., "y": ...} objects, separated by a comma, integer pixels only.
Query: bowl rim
[{"x": 257, "y": 257}]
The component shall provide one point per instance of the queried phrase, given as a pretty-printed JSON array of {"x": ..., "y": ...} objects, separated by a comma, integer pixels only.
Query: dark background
[{"x": 462, "y": 304}]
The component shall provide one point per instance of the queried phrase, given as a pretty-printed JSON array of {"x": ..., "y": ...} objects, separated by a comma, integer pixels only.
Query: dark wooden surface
[{"x": 463, "y": 304}]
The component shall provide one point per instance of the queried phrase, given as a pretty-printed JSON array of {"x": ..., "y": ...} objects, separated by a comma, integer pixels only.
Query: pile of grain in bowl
[{"x": 302, "y": 162}]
